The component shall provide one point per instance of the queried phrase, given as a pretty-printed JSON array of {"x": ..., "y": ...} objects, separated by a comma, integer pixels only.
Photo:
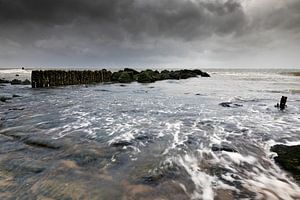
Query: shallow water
[{"x": 150, "y": 141}]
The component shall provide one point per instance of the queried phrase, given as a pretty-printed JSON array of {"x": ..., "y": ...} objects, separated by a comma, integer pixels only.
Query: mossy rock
[
  {"x": 115, "y": 76},
  {"x": 134, "y": 72},
  {"x": 26, "y": 82},
  {"x": 288, "y": 158},
  {"x": 4, "y": 81},
  {"x": 148, "y": 76},
  {"x": 185, "y": 74},
  {"x": 126, "y": 77},
  {"x": 16, "y": 82},
  {"x": 4, "y": 99}
]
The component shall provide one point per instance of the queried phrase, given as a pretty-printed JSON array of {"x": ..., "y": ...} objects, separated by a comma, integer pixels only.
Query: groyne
[{"x": 51, "y": 78}]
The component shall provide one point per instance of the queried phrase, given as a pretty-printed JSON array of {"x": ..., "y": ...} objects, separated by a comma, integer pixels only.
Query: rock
[
  {"x": 198, "y": 71},
  {"x": 223, "y": 147},
  {"x": 4, "y": 81},
  {"x": 15, "y": 96},
  {"x": 225, "y": 104},
  {"x": 17, "y": 74},
  {"x": 126, "y": 77},
  {"x": 164, "y": 75},
  {"x": 174, "y": 75},
  {"x": 115, "y": 76},
  {"x": 230, "y": 104},
  {"x": 16, "y": 82},
  {"x": 26, "y": 82},
  {"x": 43, "y": 143},
  {"x": 288, "y": 158},
  {"x": 205, "y": 74},
  {"x": 4, "y": 99},
  {"x": 134, "y": 72},
  {"x": 16, "y": 109},
  {"x": 185, "y": 74},
  {"x": 148, "y": 76},
  {"x": 121, "y": 143}
]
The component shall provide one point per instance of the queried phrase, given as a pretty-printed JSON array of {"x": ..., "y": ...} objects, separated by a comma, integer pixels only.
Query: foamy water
[{"x": 167, "y": 129}]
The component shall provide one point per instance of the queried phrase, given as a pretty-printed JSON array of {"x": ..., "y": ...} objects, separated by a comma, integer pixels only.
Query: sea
[{"x": 150, "y": 141}]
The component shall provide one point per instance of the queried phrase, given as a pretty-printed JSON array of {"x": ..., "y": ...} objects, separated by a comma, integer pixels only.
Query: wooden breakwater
[{"x": 50, "y": 78}]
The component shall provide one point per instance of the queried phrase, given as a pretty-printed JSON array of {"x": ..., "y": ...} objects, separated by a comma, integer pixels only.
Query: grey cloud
[
  {"x": 142, "y": 31},
  {"x": 183, "y": 19}
]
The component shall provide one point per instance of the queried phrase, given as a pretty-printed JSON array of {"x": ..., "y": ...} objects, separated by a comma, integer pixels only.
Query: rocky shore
[
  {"x": 148, "y": 76},
  {"x": 289, "y": 159},
  {"x": 49, "y": 78},
  {"x": 15, "y": 82}
]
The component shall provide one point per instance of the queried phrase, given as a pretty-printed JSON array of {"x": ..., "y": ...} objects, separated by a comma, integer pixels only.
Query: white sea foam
[{"x": 203, "y": 182}]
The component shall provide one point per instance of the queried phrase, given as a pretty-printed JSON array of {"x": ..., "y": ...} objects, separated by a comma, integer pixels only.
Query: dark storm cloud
[
  {"x": 170, "y": 18},
  {"x": 143, "y": 31}
]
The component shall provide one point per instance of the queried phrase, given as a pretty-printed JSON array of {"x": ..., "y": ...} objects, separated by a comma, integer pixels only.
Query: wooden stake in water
[{"x": 282, "y": 104}]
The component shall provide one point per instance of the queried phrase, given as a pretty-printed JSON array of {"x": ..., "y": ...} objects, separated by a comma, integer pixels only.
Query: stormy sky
[{"x": 155, "y": 33}]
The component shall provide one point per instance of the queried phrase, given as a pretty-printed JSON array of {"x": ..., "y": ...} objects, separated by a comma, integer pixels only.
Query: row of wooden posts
[{"x": 49, "y": 78}]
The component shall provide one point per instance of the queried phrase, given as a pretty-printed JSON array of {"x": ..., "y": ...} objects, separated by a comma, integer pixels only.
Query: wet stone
[
  {"x": 4, "y": 98},
  {"x": 230, "y": 104},
  {"x": 223, "y": 147},
  {"x": 121, "y": 143},
  {"x": 43, "y": 143},
  {"x": 288, "y": 158},
  {"x": 4, "y": 81}
]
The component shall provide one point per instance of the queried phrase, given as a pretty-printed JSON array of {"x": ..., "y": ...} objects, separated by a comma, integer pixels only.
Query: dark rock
[
  {"x": 225, "y": 104},
  {"x": 26, "y": 82},
  {"x": 121, "y": 143},
  {"x": 16, "y": 82},
  {"x": 17, "y": 74},
  {"x": 185, "y": 74},
  {"x": 43, "y": 143},
  {"x": 230, "y": 104},
  {"x": 148, "y": 76},
  {"x": 23, "y": 68},
  {"x": 4, "y": 81},
  {"x": 174, "y": 75},
  {"x": 16, "y": 109},
  {"x": 198, "y": 71},
  {"x": 134, "y": 72},
  {"x": 288, "y": 158},
  {"x": 237, "y": 105},
  {"x": 205, "y": 74},
  {"x": 115, "y": 76},
  {"x": 126, "y": 77},
  {"x": 223, "y": 147},
  {"x": 15, "y": 96},
  {"x": 4, "y": 99},
  {"x": 164, "y": 75},
  {"x": 143, "y": 137}
]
